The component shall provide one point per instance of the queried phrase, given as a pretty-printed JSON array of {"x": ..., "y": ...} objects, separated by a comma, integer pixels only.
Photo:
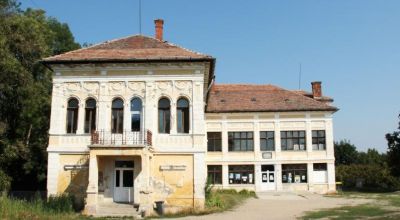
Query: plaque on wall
[{"x": 267, "y": 155}]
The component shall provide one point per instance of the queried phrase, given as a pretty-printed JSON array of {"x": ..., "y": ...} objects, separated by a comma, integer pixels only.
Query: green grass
[
  {"x": 382, "y": 206},
  {"x": 55, "y": 208},
  {"x": 348, "y": 212},
  {"x": 216, "y": 201}
]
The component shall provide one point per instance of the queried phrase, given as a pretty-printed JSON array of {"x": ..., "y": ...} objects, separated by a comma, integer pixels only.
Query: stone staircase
[{"x": 112, "y": 209}]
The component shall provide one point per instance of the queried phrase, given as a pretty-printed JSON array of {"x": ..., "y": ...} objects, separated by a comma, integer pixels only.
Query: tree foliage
[
  {"x": 393, "y": 153},
  {"x": 345, "y": 153},
  {"x": 25, "y": 90}
]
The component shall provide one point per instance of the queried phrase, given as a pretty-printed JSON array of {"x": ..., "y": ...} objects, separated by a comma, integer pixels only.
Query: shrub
[
  {"x": 60, "y": 204},
  {"x": 5, "y": 182},
  {"x": 366, "y": 177}
]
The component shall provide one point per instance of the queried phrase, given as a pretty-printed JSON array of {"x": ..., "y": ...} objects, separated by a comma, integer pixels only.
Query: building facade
[{"x": 139, "y": 120}]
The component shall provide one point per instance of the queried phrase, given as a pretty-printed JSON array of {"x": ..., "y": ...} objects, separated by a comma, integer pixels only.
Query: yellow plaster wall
[
  {"x": 180, "y": 181},
  {"x": 73, "y": 181}
]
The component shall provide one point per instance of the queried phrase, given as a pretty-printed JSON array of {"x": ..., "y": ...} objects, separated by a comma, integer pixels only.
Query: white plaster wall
[{"x": 276, "y": 122}]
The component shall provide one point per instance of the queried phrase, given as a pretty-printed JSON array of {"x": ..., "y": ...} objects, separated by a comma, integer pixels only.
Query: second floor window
[
  {"x": 136, "y": 114},
  {"x": 164, "y": 116},
  {"x": 293, "y": 140},
  {"x": 318, "y": 140},
  {"x": 267, "y": 142},
  {"x": 182, "y": 112},
  {"x": 240, "y": 141},
  {"x": 90, "y": 115},
  {"x": 72, "y": 115},
  {"x": 214, "y": 141},
  {"x": 117, "y": 116}
]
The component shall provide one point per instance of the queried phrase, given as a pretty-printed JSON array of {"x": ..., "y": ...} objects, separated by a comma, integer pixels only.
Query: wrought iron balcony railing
[{"x": 108, "y": 138}]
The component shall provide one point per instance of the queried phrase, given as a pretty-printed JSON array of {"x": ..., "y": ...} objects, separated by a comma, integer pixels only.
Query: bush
[
  {"x": 5, "y": 182},
  {"x": 60, "y": 204},
  {"x": 366, "y": 177}
]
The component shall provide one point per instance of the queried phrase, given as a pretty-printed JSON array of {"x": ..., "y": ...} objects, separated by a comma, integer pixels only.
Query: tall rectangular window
[
  {"x": 164, "y": 116},
  {"x": 294, "y": 173},
  {"x": 240, "y": 141},
  {"x": 214, "y": 141},
  {"x": 267, "y": 141},
  {"x": 72, "y": 116},
  {"x": 90, "y": 115},
  {"x": 293, "y": 140},
  {"x": 318, "y": 140},
  {"x": 182, "y": 111},
  {"x": 214, "y": 174},
  {"x": 241, "y": 174}
]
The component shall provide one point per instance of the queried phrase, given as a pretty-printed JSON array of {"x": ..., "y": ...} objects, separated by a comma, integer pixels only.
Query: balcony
[{"x": 126, "y": 138}]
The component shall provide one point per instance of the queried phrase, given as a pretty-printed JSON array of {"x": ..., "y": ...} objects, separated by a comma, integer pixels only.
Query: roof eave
[
  {"x": 333, "y": 110},
  {"x": 86, "y": 61}
]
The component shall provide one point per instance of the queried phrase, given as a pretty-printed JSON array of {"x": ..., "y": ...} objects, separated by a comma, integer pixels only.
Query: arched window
[
  {"x": 164, "y": 115},
  {"x": 90, "y": 115},
  {"x": 72, "y": 115},
  {"x": 182, "y": 115},
  {"x": 136, "y": 114},
  {"x": 117, "y": 116}
]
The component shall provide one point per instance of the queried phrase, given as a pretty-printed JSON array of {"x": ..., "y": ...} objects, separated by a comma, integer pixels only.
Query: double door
[
  {"x": 123, "y": 184},
  {"x": 268, "y": 177}
]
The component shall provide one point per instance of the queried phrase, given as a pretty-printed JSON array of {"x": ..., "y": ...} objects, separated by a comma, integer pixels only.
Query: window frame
[
  {"x": 296, "y": 169},
  {"x": 72, "y": 116},
  {"x": 135, "y": 112},
  {"x": 183, "y": 116},
  {"x": 241, "y": 137},
  {"x": 266, "y": 139},
  {"x": 213, "y": 138},
  {"x": 214, "y": 176},
  {"x": 318, "y": 139},
  {"x": 90, "y": 116},
  {"x": 235, "y": 175},
  {"x": 165, "y": 127},
  {"x": 292, "y": 137},
  {"x": 117, "y": 120}
]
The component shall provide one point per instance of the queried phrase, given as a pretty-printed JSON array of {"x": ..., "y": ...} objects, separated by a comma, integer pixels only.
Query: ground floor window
[
  {"x": 241, "y": 174},
  {"x": 320, "y": 174},
  {"x": 294, "y": 173},
  {"x": 214, "y": 174}
]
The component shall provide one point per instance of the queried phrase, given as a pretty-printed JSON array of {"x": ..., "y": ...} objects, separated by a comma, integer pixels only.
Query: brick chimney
[
  {"x": 316, "y": 89},
  {"x": 159, "y": 29}
]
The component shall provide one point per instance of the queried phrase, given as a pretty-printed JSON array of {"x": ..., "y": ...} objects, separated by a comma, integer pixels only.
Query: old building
[{"x": 139, "y": 120}]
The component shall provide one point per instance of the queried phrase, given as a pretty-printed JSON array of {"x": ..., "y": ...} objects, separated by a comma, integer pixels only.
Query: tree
[
  {"x": 393, "y": 152},
  {"x": 372, "y": 156},
  {"x": 345, "y": 153},
  {"x": 25, "y": 90}
]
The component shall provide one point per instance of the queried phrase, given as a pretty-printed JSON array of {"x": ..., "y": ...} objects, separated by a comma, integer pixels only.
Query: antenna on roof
[
  {"x": 140, "y": 16},
  {"x": 300, "y": 76}
]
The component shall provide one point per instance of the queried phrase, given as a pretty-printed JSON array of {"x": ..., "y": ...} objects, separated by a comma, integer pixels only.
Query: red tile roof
[
  {"x": 132, "y": 48},
  {"x": 260, "y": 98}
]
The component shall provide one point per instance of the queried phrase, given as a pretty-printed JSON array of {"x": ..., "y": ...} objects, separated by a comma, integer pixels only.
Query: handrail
[{"x": 126, "y": 137}]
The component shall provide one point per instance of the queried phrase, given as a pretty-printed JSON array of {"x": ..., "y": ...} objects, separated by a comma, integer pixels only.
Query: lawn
[
  {"x": 382, "y": 206},
  {"x": 36, "y": 209},
  {"x": 60, "y": 208},
  {"x": 217, "y": 201}
]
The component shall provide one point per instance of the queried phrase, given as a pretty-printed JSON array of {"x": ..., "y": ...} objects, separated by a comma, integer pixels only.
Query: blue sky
[{"x": 353, "y": 47}]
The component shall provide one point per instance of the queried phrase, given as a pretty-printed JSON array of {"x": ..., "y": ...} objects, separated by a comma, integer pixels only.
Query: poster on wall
[
  {"x": 297, "y": 179},
  {"x": 264, "y": 177}
]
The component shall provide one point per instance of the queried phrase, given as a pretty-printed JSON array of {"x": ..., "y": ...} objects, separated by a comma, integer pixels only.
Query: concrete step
[{"x": 116, "y": 209}]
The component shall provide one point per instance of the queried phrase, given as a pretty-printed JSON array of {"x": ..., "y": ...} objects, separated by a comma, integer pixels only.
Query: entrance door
[
  {"x": 268, "y": 177},
  {"x": 123, "y": 181}
]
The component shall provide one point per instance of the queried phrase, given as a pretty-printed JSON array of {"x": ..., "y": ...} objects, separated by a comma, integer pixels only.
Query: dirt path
[{"x": 281, "y": 206}]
